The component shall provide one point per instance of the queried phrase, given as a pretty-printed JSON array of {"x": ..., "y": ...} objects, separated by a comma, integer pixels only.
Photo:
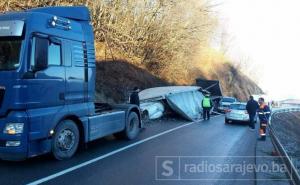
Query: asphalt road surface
[{"x": 166, "y": 152}]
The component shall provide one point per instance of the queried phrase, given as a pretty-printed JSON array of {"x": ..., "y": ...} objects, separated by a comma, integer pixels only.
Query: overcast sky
[{"x": 267, "y": 31}]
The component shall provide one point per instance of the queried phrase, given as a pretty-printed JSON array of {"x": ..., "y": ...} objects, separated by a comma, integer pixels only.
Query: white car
[
  {"x": 236, "y": 112},
  {"x": 225, "y": 103}
]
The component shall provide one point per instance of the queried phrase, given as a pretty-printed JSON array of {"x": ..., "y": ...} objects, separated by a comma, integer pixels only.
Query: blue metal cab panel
[
  {"x": 42, "y": 120},
  {"x": 105, "y": 124},
  {"x": 80, "y": 13}
]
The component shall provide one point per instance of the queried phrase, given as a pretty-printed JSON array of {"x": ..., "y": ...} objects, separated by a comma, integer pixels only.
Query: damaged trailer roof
[
  {"x": 159, "y": 93},
  {"x": 184, "y": 100}
]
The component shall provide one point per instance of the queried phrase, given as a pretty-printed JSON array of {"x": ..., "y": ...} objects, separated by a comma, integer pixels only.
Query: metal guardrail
[{"x": 292, "y": 170}]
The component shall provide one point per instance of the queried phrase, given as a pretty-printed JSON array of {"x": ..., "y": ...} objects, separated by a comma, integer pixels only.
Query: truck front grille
[{"x": 2, "y": 92}]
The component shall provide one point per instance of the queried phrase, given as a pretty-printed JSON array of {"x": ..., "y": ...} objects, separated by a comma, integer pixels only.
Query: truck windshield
[{"x": 9, "y": 53}]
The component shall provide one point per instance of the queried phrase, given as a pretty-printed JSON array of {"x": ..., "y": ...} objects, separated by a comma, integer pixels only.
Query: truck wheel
[
  {"x": 65, "y": 140},
  {"x": 226, "y": 121},
  {"x": 132, "y": 126}
]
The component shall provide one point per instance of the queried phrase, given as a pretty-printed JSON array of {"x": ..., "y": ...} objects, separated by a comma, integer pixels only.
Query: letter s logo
[{"x": 168, "y": 169}]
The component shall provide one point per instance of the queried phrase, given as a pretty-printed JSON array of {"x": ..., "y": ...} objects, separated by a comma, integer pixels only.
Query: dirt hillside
[{"x": 115, "y": 79}]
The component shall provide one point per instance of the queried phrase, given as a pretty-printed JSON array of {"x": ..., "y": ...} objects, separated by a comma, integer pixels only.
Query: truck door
[
  {"x": 76, "y": 83},
  {"x": 47, "y": 87}
]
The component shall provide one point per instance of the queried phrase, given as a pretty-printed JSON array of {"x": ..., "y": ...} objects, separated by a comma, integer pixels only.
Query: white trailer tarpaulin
[
  {"x": 187, "y": 104},
  {"x": 184, "y": 100}
]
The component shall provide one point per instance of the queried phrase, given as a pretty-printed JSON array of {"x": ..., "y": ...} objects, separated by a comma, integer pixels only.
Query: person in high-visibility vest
[
  {"x": 264, "y": 113},
  {"x": 206, "y": 106}
]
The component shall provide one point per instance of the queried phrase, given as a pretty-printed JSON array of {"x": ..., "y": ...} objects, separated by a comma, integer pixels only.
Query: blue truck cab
[{"x": 47, "y": 86}]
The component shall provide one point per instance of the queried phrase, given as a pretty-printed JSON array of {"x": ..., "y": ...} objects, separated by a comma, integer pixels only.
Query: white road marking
[{"x": 55, "y": 175}]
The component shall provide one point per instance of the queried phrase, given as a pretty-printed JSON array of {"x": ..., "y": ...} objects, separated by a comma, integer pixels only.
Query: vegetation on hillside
[{"x": 168, "y": 39}]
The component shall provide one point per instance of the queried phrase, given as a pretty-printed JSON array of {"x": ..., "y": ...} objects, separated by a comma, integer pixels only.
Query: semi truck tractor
[{"x": 47, "y": 86}]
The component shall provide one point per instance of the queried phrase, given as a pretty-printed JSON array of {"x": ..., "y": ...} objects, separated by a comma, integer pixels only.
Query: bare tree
[{"x": 155, "y": 33}]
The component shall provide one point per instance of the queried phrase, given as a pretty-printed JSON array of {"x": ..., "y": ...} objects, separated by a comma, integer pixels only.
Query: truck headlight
[
  {"x": 13, "y": 143},
  {"x": 13, "y": 128}
]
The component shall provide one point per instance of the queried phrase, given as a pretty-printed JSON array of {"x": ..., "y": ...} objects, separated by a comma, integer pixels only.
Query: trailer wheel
[
  {"x": 132, "y": 126},
  {"x": 65, "y": 140}
]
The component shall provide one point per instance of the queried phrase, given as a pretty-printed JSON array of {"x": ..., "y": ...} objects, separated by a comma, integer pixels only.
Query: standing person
[
  {"x": 252, "y": 107},
  {"x": 134, "y": 97},
  {"x": 206, "y": 106},
  {"x": 264, "y": 113}
]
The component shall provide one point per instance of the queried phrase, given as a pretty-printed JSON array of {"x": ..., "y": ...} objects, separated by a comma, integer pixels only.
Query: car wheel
[
  {"x": 226, "y": 121},
  {"x": 65, "y": 140}
]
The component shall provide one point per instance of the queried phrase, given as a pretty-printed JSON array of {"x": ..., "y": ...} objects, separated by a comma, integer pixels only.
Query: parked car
[
  {"x": 236, "y": 112},
  {"x": 225, "y": 103}
]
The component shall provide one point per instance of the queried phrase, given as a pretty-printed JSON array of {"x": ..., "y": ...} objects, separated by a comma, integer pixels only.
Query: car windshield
[
  {"x": 9, "y": 54},
  {"x": 230, "y": 100},
  {"x": 238, "y": 106}
]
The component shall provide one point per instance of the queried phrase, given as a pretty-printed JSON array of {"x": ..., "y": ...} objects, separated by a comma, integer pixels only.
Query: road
[{"x": 111, "y": 162}]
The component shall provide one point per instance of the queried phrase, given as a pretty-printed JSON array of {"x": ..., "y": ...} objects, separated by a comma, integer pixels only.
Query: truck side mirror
[{"x": 41, "y": 54}]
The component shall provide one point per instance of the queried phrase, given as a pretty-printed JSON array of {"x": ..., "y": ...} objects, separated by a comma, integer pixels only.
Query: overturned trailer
[
  {"x": 211, "y": 86},
  {"x": 214, "y": 89},
  {"x": 184, "y": 100}
]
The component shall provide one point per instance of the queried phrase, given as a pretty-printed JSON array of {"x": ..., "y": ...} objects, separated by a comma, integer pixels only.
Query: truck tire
[
  {"x": 132, "y": 126},
  {"x": 65, "y": 140},
  {"x": 226, "y": 121}
]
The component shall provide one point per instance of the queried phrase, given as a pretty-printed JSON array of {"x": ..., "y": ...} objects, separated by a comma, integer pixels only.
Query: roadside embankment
[{"x": 287, "y": 128}]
